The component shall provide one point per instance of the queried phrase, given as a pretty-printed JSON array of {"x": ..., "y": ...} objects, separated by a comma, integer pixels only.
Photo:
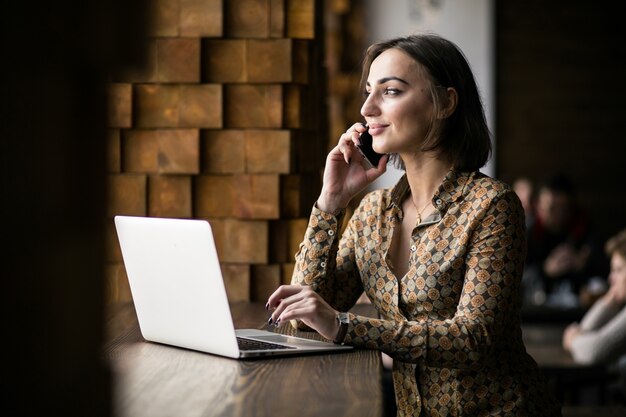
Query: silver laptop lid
[{"x": 176, "y": 283}]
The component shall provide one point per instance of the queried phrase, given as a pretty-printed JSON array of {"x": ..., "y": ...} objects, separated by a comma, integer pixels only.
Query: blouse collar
[{"x": 451, "y": 189}]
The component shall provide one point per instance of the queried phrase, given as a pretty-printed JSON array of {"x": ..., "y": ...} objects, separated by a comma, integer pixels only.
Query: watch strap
[{"x": 343, "y": 320}]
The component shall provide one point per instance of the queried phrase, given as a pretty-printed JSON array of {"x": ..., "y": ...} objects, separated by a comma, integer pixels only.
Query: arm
[
  {"x": 319, "y": 288},
  {"x": 600, "y": 313},
  {"x": 318, "y": 265},
  {"x": 601, "y": 344},
  {"x": 319, "y": 283}
]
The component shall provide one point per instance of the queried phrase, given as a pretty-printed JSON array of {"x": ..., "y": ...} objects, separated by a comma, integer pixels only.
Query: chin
[{"x": 379, "y": 147}]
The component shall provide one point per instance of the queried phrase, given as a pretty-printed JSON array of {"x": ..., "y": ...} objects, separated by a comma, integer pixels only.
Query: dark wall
[
  {"x": 561, "y": 99},
  {"x": 56, "y": 60}
]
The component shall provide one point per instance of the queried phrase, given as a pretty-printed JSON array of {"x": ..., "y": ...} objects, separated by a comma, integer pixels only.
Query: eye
[
  {"x": 392, "y": 91},
  {"x": 366, "y": 93}
]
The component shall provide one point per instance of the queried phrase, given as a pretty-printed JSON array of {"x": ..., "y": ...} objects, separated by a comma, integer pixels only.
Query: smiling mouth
[{"x": 376, "y": 129}]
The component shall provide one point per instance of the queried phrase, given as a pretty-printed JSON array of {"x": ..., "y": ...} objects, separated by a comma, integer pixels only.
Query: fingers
[
  {"x": 349, "y": 140},
  {"x": 382, "y": 165},
  {"x": 304, "y": 309},
  {"x": 372, "y": 174},
  {"x": 310, "y": 309},
  {"x": 281, "y": 292},
  {"x": 291, "y": 294},
  {"x": 289, "y": 298},
  {"x": 358, "y": 127},
  {"x": 347, "y": 145},
  {"x": 300, "y": 302}
]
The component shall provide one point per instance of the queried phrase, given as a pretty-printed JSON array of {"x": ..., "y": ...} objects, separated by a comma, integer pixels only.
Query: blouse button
[
  {"x": 331, "y": 232},
  {"x": 413, "y": 248},
  {"x": 323, "y": 264},
  {"x": 438, "y": 201}
]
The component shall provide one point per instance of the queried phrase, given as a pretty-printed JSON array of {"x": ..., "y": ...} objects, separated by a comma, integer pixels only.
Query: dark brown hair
[
  {"x": 463, "y": 137},
  {"x": 617, "y": 245}
]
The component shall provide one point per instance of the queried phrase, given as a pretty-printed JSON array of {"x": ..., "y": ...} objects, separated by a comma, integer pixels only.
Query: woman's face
[
  {"x": 554, "y": 208},
  {"x": 618, "y": 271},
  {"x": 398, "y": 107}
]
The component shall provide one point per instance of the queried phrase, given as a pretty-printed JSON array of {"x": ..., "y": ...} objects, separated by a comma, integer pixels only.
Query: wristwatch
[{"x": 343, "y": 320}]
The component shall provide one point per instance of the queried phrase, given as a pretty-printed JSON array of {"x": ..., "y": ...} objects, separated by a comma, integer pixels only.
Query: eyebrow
[{"x": 386, "y": 79}]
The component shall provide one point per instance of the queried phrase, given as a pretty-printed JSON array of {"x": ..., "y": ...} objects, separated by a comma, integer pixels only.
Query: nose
[{"x": 370, "y": 106}]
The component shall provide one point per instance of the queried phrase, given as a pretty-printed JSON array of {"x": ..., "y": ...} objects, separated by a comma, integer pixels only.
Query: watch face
[{"x": 343, "y": 318}]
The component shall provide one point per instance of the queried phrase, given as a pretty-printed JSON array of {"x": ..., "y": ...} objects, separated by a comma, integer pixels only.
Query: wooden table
[
  {"x": 595, "y": 411},
  {"x": 565, "y": 377},
  {"x": 543, "y": 343},
  {"x": 157, "y": 380},
  {"x": 551, "y": 314}
]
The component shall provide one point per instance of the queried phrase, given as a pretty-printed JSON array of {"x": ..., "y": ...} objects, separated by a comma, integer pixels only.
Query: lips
[{"x": 376, "y": 128}]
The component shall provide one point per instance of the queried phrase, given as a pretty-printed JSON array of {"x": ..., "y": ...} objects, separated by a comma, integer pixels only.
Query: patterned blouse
[{"x": 452, "y": 323}]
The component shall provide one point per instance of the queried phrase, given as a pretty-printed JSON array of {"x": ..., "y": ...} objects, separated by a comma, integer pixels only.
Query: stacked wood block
[
  {"x": 346, "y": 23},
  {"x": 226, "y": 122}
]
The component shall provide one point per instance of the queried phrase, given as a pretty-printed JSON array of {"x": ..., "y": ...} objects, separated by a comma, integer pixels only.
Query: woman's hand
[
  {"x": 298, "y": 302},
  {"x": 564, "y": 259},
  {"x": 616, "y": 295},
  {"x": 345, "y": 175},
  {"x": 570, "y": 333}
]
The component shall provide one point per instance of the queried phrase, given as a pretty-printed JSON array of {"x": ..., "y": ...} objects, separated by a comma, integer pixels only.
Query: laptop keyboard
[{"x": 248, "y": 344}]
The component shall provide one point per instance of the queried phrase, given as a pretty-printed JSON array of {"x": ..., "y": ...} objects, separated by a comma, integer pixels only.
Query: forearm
[
  {"x": 319, "y": 266},
  {"x": 601, "y": 312},
  {"x": 603, "y": 344},
  {"x": 458, "y": 342}
]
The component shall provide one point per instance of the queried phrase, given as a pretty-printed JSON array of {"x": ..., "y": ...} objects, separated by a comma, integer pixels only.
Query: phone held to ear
[{"x": 365, "y": 147}]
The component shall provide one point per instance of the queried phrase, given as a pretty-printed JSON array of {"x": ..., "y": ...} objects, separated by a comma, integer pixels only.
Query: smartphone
[{"x": 366, "y": 149}]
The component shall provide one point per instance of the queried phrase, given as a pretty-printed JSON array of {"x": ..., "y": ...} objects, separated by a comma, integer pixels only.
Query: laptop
[{"x": 179, "y": 294}]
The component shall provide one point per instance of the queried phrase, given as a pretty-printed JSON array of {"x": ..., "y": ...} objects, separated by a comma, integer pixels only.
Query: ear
[{"x": 450, "y": 103}]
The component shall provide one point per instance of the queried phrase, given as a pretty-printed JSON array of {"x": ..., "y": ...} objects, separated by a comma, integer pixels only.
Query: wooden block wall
[
  {"x": 346, "y": 40},
  {"x": 226, "y": 122}
]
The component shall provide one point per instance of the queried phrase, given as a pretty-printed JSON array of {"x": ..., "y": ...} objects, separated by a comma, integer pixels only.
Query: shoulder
[
  {"x": 490, "y": 190},
  {"x": 479, "y": 181},
  {"x": 495, "y": 211},
  {"x": 491, "y": 201}
]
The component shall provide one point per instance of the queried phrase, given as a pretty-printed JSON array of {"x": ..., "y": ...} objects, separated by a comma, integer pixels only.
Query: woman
[
  {"x": 440, "y": 255},
  {"x": 601, "y": 336}
]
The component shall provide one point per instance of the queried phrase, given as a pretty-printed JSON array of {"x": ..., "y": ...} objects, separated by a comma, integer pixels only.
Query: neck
[{"x": 425, "y": 174}]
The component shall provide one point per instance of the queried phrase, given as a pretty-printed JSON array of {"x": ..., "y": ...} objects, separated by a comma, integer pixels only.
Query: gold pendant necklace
[{"x": 419, "y": 212}]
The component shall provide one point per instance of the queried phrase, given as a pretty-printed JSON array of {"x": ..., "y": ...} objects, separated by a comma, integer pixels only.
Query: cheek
[
  {"x": 618, "y": 278},
  {"x": 412, "y": 120},
  {"x": 414, "y": 106}
]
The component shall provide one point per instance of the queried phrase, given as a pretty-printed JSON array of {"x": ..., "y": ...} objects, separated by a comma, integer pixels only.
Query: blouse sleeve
[
  {"x": 600, "y": 344},
  {"x": 326, "y": 263},
  {"x": 492, "y": 267},
  {"x": 600, "y": 313}
]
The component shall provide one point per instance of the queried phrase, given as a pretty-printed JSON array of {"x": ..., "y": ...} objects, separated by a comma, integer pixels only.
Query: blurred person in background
[
  {"x": 523, "y": 187},
  {"x": 601, "y": 335},
  {"x": 562, "y": 250}
]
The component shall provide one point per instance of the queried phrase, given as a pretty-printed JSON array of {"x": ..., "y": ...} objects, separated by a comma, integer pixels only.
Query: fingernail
[
  {"x": 277, "y": 322},
  {"x": 270, "y": 321},
  {"x": 267, "y": 306}
]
